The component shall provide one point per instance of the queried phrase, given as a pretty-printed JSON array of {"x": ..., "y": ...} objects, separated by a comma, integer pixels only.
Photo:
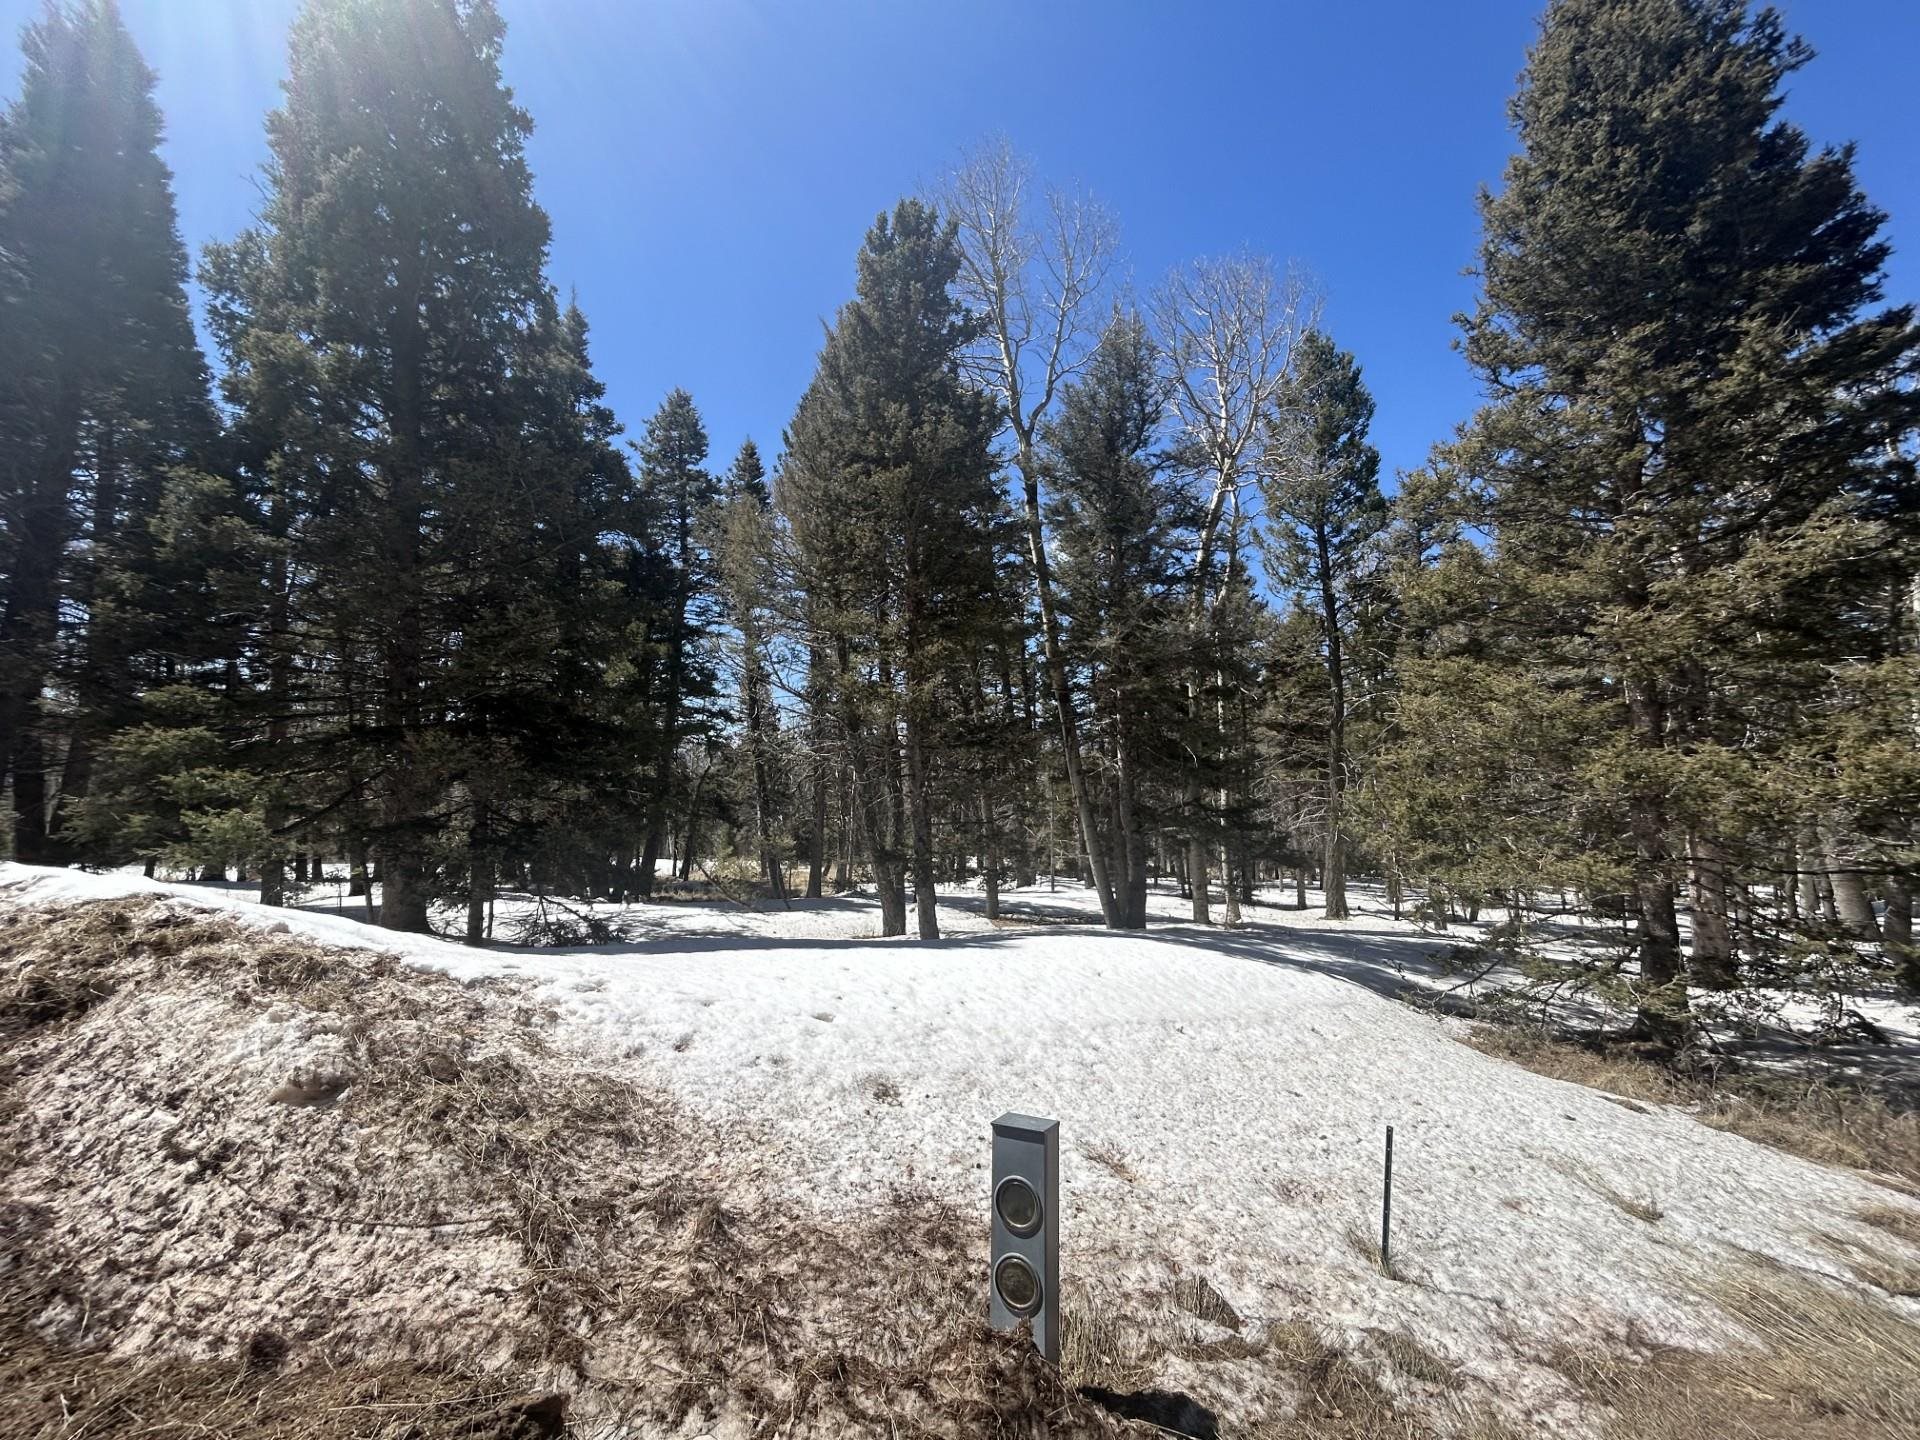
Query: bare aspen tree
[
  {"x": 1228, "y": 327},
  {"x": 1034, "y": 269}
]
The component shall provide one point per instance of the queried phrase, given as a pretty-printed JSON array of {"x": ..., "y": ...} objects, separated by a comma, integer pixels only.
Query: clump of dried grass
[
  {"x": 1625, "y": 1070},
  {"x": 1898, "y": 1275},
  {"x": 1336, "y": 1398},
  {"x": 1364, "y": 1241},
  {"x": 1826, "y": 1351},
  {"x": 1833, "y": 1122},
  {"x": 1111, "y": 1158},
  {"x": 1414, "y": 1360},
  {"x": 1195, "y": 1295},
  {"x": 79, "y": 1389},
  {"x": 1309, "y": 1387},
  {"x": 1901, "y": 1223},
  {"x": 1816, "y": 1362},
  {"x": 1643, "y": 1207},
  {"x": 1099, "y": 1347}
]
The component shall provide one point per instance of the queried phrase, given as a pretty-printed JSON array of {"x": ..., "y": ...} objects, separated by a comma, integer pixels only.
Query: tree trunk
[
  {"x": 1062, "y": 688},
  {"x": 30, "y": 841},
  {"x": 1807, "y": 877},
  {"x": 989, "y": 858},
  {"x": 693, "y": 825},
  {"x": 40, "y": 525},
  {"x": 650, "y": 848},
  {"x": 405, "y": 895},
  {"x": 878, "y": 805},
  {"x": 1713, "y": 957},
  {"x": 1334, "y": 862},
  {"x": 918, "y": 802},
  {"x": 1849, "y": 891},
  {"x": 76, "y": 781},
  {"x": 479, "y": 890},
  {"x": 1197, "y": 866},
  {"x": 1899, "y": 931},
  {"x": 273, "y": 881},
  {"x": 1664, "y": 1009},
  {"x": 1132, "y": 880},
  {"x": 1334, "y": 865},
  {"x": 817, "y": 851},
  {"x": 890, "y": 880}
]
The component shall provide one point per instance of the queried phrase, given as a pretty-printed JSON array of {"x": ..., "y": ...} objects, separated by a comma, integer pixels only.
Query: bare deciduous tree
[
  {"x": 1228, "y": 327},
  {"x": 1035, "y": 273}
]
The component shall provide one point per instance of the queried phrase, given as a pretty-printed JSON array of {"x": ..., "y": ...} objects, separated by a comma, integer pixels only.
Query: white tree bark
[
  {"x": 1227, "y": 328},
  {"x": 1035, "y": 282}
]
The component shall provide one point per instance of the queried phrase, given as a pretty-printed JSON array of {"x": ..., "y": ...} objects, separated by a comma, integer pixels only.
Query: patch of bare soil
[{"x": 254, "y": 1186}]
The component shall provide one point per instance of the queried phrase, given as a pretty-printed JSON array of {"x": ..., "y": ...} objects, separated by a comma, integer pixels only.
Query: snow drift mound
[{"x": 255, "y": 1185}]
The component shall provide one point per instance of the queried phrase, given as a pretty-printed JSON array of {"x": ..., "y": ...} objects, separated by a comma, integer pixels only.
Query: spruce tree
[
  {"x": 102, "y": 389},
  {"x": 676, "y": 493},
  {"x": 1695, "y": 411},
  {"x": 888, "y": 490},
  {"x": 744, "y": 559},
  {"x": 1319, "y": 481},
  {"x": 371, "y": 322},
  {"x": 1123, "y": 526},
  {"x": 527, "y": 743}
]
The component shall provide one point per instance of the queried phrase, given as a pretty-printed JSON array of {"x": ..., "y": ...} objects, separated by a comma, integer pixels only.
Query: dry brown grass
[
  {"x": 1363, "y": 1240},
  {"x": 1193, "y": 1294},
  {"x": 1621, "y": 1071},
  {"x": 1111, "y": 1158},
  {"x": 1816, "y": 1362},
  {"x": 1326, "y": 1393},
  {"x": 1414, "y": 1360},
  {"x": 1902, "y": 1224},
  {"x": 1338, "y": 1399},
  {"x": 642, "y": 1278},
  {"x": 1896, "y": 1274},
  {"x": 76, "y": 1394},
  {"x": 1643, "y": 1207},
  {"x": 1099, "y": 1347},
  {"x": 1833, "y": 1123}
]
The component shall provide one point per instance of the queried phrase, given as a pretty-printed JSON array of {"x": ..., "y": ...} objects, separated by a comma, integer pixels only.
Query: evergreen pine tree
[
  {"x": 1694, "y": 415},
  {"x": 1319, "y": 482},
  {"x": 1123, "y": 527},
  {"x": 102, "y": 390},
  {"x": 372, "y": 321},
  {"x": 677, "y": 494},
  {"x": 888, "y": 490},
  {"x": 743, "y": 561}
]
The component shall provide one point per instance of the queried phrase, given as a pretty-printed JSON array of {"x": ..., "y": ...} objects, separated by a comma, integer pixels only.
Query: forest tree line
[{"x": 1044, "y": 576}]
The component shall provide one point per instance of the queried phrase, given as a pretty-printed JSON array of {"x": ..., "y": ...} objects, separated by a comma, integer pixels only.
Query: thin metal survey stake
[{"x": 1386, "y": 1209}]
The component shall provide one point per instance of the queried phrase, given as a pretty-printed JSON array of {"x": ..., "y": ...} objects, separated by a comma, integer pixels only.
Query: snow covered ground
[{"x": 1223, "y": 1097}]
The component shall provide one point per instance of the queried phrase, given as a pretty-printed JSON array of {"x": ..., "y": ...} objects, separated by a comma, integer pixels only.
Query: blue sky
[{"x": 711, "y": 165}]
